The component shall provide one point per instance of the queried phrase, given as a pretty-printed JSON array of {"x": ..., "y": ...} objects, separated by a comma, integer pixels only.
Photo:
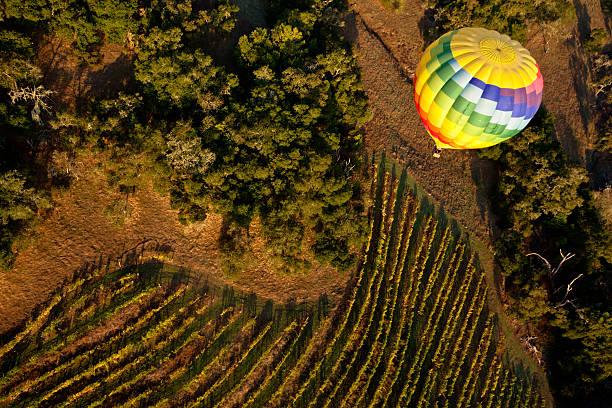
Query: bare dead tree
[
  {"x": 553, "y": 271},
  {"x": 347, "y": 167},
  {"x": 38, "y": 95},
  {"x": 568, "y": 290},
  {"x": 529, "y": 342},
  {"x": 566, "y": 301}
]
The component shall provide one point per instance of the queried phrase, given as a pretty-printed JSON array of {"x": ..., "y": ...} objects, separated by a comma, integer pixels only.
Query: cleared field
[{"x": 413, "y": 330}]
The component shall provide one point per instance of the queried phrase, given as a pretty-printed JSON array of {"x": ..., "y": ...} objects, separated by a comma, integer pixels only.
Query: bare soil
[
  {"x": 74, "y": 81},
  {"x": 564, "y": 66},
  {"x": 566, "y": 70}
]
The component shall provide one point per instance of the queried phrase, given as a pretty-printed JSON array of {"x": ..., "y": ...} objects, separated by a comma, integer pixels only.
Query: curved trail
[{"x": 389, "y": 46}]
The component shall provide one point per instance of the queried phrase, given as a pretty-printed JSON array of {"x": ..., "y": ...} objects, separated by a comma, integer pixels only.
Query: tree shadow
[
  {"x": 485, "y": 176},
  {"x": 580, "y": 72},
  {"x": 584, "y": 20},
  {"x": 350, "y": 28},
  {"x": 114, "y": 77},
  {"x": 600, "y": 168},
  {"x": 564, "y": 133},
  {"x": 428, "y": 28},
  {"x": 77, "y": 84},
  {"x": 251, "y": 15}
]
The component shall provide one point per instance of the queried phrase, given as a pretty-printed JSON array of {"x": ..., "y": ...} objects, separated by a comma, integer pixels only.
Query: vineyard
[{"x": 413, "y": 330}]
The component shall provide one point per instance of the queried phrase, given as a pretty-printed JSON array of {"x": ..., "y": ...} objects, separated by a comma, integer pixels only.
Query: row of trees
[
  {"x": 183, "y": 331},
  {"x": 544, "y": 205},
  {"x": 415, "y": 328}
]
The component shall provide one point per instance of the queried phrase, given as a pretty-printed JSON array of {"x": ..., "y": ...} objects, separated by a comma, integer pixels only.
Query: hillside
[
  {"x": 230, "y": 203},
  {"x": 88, "y": 223},
  {"x": 150, "y": 335}
]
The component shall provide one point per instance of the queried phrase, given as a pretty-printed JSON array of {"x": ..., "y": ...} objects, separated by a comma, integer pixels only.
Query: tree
[
  {"x": 283, "y": 146},
  {"x": 22, "y": 97},
  {"x": 508, "y": 17},
  {"x": 177, "y": 77},
  {"x": 543, "y": 202},
  {"x": 83, "y": 24},
  {"x": 18, "y": 207}
]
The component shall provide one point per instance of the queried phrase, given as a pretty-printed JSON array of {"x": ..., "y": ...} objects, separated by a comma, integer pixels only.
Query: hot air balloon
[{"x": 476, "y": 88}]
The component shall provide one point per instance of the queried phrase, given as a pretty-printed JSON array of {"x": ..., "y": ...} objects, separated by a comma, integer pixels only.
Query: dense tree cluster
[
  {"x": 86, "y": 24},
  {"x": 510, "y": 17},
  {"x": 23, "y": 110},
  {"x": 268, "y": 133},
  {"x": 544, "y": 204},
  {"x": 275, "y": 139}
]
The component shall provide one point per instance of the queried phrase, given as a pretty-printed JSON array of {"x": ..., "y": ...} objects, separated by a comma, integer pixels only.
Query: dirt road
[{"x": 389, "y": 45}]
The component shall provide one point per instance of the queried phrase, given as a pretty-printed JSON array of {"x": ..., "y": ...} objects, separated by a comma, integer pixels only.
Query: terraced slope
[
  {"x": 413, "y": 330},
  {"x": 144, "y": 336}
]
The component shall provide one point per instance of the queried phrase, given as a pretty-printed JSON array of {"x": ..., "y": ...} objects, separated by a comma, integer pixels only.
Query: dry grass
[
  {"x": 73, "y": 81},
  {"x": 564, "y": 67},
  {"x": 78, "y": 231}
]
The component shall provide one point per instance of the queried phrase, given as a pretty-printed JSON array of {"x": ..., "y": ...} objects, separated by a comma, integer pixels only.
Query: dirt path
[
  {"x": 565, "y": 67},
  {"x": 389, "y": 46},
  {"x": 79, "y": 232}
]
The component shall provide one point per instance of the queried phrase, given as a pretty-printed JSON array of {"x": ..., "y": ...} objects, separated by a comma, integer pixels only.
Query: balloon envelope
[{"x": 475, "y": 88}]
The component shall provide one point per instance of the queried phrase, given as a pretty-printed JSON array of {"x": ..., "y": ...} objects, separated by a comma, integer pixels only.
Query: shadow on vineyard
[{"x": 413, "y": 330}]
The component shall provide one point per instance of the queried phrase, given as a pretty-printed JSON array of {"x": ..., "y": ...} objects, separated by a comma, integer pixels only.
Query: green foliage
[
  {"x": 544, "y": 204},
  {"x": 228, "y": 335},
  {"x": 604, "y": 142},
  {"x": 281, "y": 147},
  {"x": 178, "y": 77},
  {"x": 17, "y": 71},
  {"x": 508, "y": 17},
  {"x": 84, "y": 24},
  {"x": 235, "y": 253},
  {"x": 185, "y": 152},
  {"x": 603, "y": 202},
  {"x": 381, "y": 352},
  {"x": 19, "y": 203},
  {"x": 535, "y": 305},
  {"x": 18, "y": 207},
  {"x": 594, "y": 44},
  {"x": 537, "y": 184}
]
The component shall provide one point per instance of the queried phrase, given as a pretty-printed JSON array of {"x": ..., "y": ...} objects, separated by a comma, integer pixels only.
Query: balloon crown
[{"x": 497, "y": 50}]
